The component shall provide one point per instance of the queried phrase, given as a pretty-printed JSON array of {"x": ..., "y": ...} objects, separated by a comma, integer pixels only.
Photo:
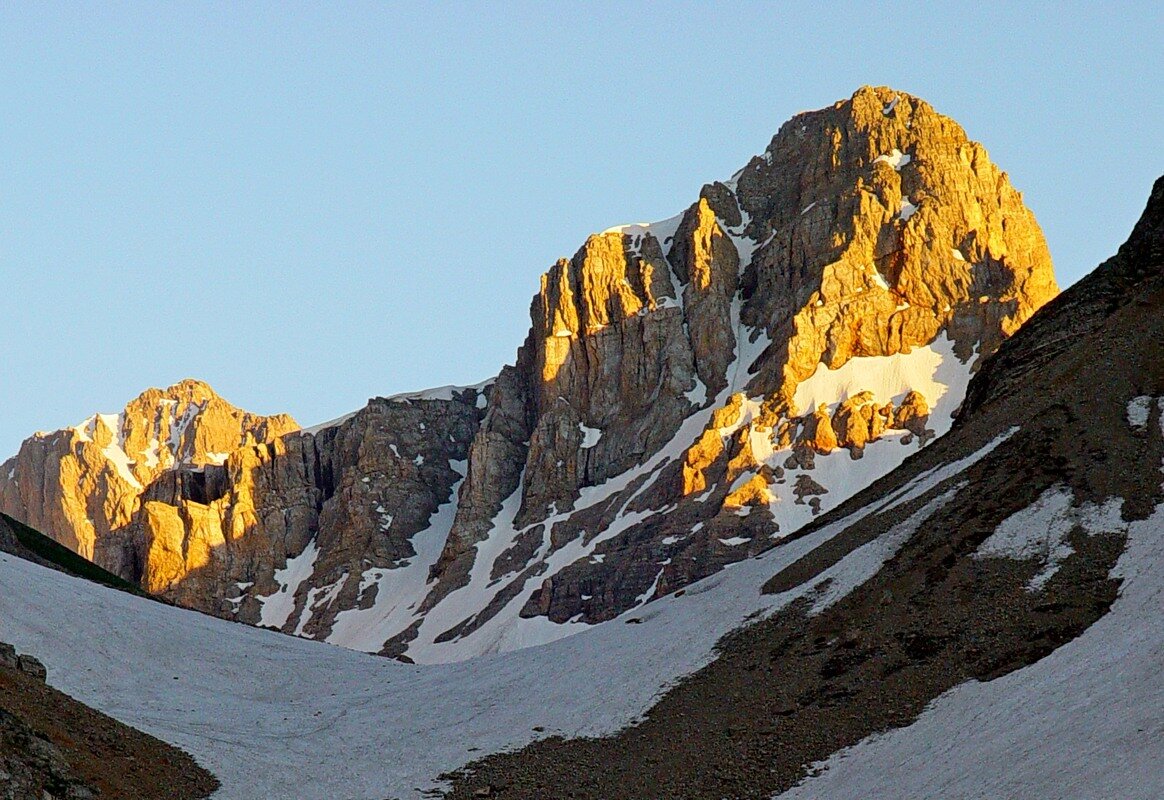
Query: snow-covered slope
[
  {"x": 275, "y": 716},
  {"x": 1083, "y": 722}
]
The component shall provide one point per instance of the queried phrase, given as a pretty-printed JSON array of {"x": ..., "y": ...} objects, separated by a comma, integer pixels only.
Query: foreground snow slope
[
  {"x": 275, "y": 716},
  {"x": 1083, "y": 722}
]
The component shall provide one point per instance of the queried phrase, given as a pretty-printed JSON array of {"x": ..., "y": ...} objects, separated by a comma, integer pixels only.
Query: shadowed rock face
[{"x": 690, "y": 391}]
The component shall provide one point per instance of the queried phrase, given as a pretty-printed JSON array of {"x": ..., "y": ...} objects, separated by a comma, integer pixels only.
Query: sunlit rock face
[
  {"x": 319, "y": 507},
  {"x": 690, "y": 392},
  {"x": 82, "y": 483}
]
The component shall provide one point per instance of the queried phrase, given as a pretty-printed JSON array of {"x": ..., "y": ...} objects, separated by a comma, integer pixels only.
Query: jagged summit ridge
[
  {"x": 86, "y": 481},
  {"x": 689, "y": 393}
]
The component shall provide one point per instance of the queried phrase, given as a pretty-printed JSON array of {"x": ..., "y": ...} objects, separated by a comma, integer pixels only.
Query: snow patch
[
  {"x": 662, "y": 231},
  {"x": 645, "y": 597},
  {"x": 440, "y": 392},
  {"x": 152, "y": 453},
  {"x": 278, "y": 606},
  {"x": 335, "y": 423},
  {"x": 630, "y": 228},
  {"x": 697, "y": 396},
  {"x": 114, "y": 452},
  {"x": 590, "y": 436},
  {"x": 932, "y": 370},
  {"x": 1138, "y": 408},
  {"x": 1040, "y": 531},
  {"x": 895, "y": 159}
]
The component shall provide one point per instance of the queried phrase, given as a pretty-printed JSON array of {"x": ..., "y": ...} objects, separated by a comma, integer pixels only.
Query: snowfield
[
  {"x": 1085, "y": 722},
  {"x": 275, "y": 716}
]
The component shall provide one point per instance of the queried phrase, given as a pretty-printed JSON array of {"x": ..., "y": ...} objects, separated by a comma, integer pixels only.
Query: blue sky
[{"x": 310, "y": 204}]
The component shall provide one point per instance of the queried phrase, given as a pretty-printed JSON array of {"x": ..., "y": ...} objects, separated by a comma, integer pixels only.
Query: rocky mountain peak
[
  {"x": 836, "y": 291},
  {"x": 85, "y": 481},
  {"x": 864, "y": 230},
  {"x": 690, "y": 392}
]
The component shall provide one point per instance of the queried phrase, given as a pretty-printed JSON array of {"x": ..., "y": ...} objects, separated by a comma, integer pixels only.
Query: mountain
[
  {"x": 981, "y": 622},
  {"x": 1000, "y": 593},
  {"x": 83, "y": 483},
  {"x": 690, "y": 393}
]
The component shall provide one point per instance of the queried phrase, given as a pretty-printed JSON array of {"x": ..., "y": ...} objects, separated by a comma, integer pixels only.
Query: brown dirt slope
[
  {"x": 52, "y": 746},
  {"x": 797, "y": 687}
]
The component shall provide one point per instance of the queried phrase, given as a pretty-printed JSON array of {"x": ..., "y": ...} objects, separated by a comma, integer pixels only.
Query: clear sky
[{"x": 310, "y": 204}]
